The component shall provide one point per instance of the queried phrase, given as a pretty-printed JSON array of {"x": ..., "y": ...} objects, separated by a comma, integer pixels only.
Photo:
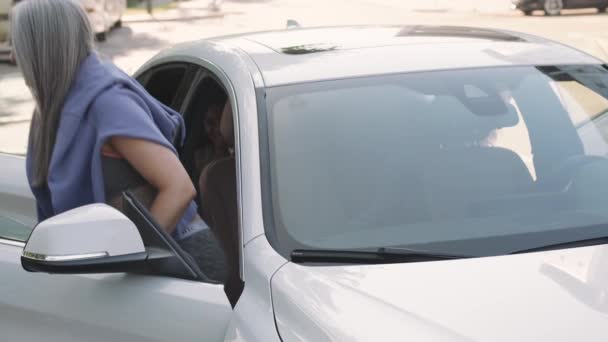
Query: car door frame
[
  {"x": 253, "y": 318},
  {"x": 205, "y": 66},
  {"x": 144, "y": 77}
]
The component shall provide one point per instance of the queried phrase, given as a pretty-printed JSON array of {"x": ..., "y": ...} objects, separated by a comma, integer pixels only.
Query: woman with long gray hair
[{"x": 96, "y": 132}]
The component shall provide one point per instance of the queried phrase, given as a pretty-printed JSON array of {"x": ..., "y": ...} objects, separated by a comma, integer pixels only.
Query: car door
[{"x": 96, "y": 307}]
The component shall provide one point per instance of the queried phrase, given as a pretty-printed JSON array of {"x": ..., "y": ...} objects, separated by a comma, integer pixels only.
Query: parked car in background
[
  {"x": 554, "y": 7},
  {"x": 104, "y": 15}
]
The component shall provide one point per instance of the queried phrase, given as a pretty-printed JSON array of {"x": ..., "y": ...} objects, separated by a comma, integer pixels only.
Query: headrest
[
  {"x": 227, "y": 125},
  {"x": 453, "y": 122}
]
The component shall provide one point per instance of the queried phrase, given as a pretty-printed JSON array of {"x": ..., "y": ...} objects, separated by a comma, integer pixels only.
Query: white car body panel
[
  {"x": 470, "y": 55},
  {"x": 254, "y": 318},
  {"x": 108, "y": 307},
  {"x": 557, "y": 296},
  {"x": 408, "y": 54}
]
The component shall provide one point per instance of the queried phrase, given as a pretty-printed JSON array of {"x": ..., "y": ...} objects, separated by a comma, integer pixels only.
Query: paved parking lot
[{"x": 143, "y": 36}]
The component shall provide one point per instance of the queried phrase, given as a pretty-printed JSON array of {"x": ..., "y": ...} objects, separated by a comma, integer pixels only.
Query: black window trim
[{"x": 183, "y": 87}]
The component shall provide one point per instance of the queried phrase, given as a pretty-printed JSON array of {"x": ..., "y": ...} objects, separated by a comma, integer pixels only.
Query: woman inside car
[{"x": 96, "y": 132}]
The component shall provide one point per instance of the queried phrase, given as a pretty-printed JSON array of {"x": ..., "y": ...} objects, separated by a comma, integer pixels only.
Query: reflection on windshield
[
  {"x": 582, "y": 274},
  {"x": 435, "y": 157}
]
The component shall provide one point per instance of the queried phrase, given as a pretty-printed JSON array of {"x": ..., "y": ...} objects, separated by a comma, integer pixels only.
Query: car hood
[{"x": 545, "y": 296}]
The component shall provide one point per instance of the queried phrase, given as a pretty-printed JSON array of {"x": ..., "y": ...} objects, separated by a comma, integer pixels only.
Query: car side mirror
[{"x": 94, "y": 238}]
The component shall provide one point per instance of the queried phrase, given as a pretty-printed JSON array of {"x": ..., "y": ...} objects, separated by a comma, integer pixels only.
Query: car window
[
  {"x": 168, "y": 83},
  {"x": 583, "y": 103},
  {"x": 198, "y": 90},
  {"x": 12, "y": 229},
  {"x": 204, "y": 93},
  {"x": 209, "y": 156},
  {"x": 440, "y": 160},
  {"x": 588, "y": 110}
]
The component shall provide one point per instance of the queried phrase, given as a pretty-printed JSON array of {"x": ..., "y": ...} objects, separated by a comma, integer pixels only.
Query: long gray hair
[{"x": 50, "y": 40}]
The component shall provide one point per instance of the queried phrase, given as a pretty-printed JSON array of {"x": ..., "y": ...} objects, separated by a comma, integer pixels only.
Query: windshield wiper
[
  {"x": 562, "y": 245},
  {"x": 383, "y": 255}
]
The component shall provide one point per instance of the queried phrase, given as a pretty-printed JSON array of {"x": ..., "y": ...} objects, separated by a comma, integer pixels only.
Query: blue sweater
[{"x": 102, "y": 102}]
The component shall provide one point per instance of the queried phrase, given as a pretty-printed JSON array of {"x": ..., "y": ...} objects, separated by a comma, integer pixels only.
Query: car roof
[{"x": 314, "y": 54}]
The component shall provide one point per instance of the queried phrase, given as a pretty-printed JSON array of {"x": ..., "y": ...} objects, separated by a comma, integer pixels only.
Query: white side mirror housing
[{"x": 94, "y": 238}]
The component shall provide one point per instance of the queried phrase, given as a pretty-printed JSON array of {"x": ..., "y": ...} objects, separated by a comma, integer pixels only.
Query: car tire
[
  {"x": 118, "y": 24},
  {"x": 553, "y": 7},
  {"x": 602, "y": 10},
  {"x": 528, "y": 12}
]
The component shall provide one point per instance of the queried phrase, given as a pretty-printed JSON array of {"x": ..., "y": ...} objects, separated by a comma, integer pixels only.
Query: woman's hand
[{"x": 163, "y": 170}]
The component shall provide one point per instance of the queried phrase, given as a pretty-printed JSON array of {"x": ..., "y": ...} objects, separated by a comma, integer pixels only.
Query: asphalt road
[{"x": 143, "y": 36}]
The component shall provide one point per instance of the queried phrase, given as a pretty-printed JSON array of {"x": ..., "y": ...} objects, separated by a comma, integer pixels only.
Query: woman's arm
[{"x": 163, "y": 170}]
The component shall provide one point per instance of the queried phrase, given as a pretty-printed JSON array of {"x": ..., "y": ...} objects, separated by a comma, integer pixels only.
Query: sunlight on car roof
[{"x": 302, "y": 41}]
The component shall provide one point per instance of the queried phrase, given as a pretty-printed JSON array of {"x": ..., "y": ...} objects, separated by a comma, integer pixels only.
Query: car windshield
[{"x": 476, "y": 162}]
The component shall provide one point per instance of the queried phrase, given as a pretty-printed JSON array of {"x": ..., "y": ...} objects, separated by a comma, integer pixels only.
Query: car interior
[
  {"x": 429, "y": 175},
  {"x": 203, "y": 102},
  {"x": 445, "y": 180},
  {"x": 216, "y": 178}
]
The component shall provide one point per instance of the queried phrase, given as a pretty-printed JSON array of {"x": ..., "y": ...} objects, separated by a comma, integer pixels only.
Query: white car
[
  {"x": 5, "y": 7},
  {"x": 103, "y": 14},
  {"x": 392, "y": 183}
]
